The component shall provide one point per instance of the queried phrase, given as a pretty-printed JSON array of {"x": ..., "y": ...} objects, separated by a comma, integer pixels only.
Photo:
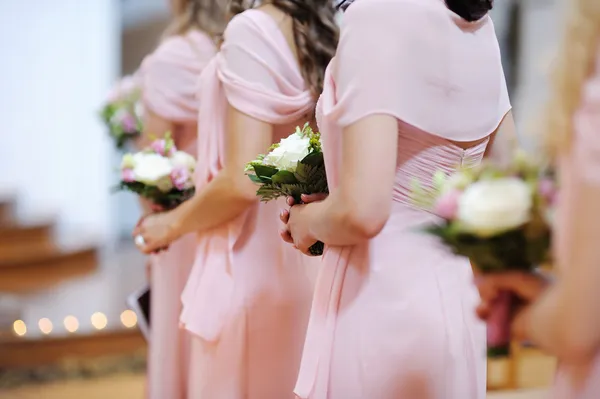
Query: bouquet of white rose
[
  {"x": 159, "y": 173},
  {"x": 293, "y": 167},
  {"x": 499, "y": 218},
  {"x": 122, "y": 112}
]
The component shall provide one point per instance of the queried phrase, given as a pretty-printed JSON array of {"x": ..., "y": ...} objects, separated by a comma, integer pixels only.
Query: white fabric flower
[
  {"x": 290, "y": 150},
  {"x": 150, "y": 168},
  {"x": 182, "y": 159},
  {"x": 492, "y": 206}
]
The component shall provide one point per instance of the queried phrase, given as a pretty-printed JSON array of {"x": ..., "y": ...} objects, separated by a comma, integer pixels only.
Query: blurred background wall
[{"x": 59, "y": 58}]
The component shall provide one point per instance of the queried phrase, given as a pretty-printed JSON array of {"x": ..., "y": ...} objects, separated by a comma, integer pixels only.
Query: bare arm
[
  {"x": 565, "y": 321},
  {"x": 503, "y": 141},
  {"x": 155, "y": 126},
  {"x": 359, "y": 208},
  {"x": 231, "y": 192}
]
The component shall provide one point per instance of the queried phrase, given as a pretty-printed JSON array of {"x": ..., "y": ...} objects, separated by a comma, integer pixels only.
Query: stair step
[
  {"x": 36, "y": 270},
  {"x": 27, "y": 236},
  {"x": 19, "y": 352},
  {"x": 6, "y": 210}
]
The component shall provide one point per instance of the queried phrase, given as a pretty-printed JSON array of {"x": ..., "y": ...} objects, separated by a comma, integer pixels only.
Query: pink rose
[
  {"x": 547, "y": 190},
  {"x": 180, "y": 178},
  {"x": 160, "y": 147},
  {"x": 129, "y": 124},
  {"x": 447, "y": 205},
  {"x": 127, "y": 175}
]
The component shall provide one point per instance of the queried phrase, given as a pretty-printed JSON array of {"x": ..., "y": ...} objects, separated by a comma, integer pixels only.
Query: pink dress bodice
[{"x": 580, "y": 171}]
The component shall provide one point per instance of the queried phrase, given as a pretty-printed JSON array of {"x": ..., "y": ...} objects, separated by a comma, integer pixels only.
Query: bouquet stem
[{"x": 499, "y": 324}]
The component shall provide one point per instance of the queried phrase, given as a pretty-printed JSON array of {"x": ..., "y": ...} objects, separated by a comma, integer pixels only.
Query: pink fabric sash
[
  {"x": 256, "y": 72},
  {"x": 170, "y": 75}
]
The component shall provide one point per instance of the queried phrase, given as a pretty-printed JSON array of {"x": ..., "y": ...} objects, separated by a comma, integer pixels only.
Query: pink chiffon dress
[
  {"x": 248, "y": 297},
  {"x": 394, "y": 317},
  {"x": 579, "y": 168},
  {"x": 169, "y": 87}
]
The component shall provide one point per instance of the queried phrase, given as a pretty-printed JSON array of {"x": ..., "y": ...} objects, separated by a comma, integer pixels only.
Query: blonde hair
[
  {"x": 576, "y": 61},
  {"x": 208, "y": 16}
]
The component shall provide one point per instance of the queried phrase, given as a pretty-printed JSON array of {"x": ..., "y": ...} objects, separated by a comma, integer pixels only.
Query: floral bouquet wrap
[
  {"x": 159, "y": 173},
  {"x": 122, "y": 112},
  {"x": 498, "y": 217},
  {"x": 292, "y": 167}
]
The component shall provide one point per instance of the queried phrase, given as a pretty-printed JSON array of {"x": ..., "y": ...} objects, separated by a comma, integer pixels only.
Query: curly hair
[
  {"x": 315, "y": 34},
  {"x": 208, "y": 16},
  {"x": 575, "y": 62}
]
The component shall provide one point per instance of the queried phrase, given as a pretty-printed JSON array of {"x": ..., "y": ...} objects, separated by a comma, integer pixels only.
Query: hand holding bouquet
[
  {"x": 293, "y": 167},
  {"x": 122, "y": 112},
  {"x": 501, "y": 219},
  {"x": 159, "y": 173}
]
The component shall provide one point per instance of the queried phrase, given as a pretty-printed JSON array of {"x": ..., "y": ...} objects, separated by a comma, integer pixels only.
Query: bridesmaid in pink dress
[
  {"x": 169, "y": 79},
  {"x": 414, "y": 88},
  {"x": 563, "y": 317},
  {"x": 247, "y": 301}
]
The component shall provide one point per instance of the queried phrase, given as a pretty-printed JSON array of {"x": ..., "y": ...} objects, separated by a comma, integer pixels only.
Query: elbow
[
  {"x": 365, "y": 222},
  {"x": 577, "y": 347}
]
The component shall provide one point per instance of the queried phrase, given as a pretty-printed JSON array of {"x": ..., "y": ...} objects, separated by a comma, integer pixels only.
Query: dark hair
[
  {"x": 470, "y": 10},
  {"x": 315, "y": 34},
  {"x": 208, "y": 16}
]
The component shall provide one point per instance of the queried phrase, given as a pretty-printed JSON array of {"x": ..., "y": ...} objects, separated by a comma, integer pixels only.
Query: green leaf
[
  {"x": 255, "y": 179},
  {"x": 314, "y": 159},
  {"x": 264, "y": 171},
  {"x": 284, "y": 177}
]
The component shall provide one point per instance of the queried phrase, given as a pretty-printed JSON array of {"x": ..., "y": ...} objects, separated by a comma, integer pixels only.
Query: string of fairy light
[{"x": 70, "y": 323}]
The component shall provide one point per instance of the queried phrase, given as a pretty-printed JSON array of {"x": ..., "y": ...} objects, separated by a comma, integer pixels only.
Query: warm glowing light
[
  {"x": 20, "y": 328},
  {"x": 129, "y": 318},
  {"x": 99, "y": 320},
  {"x": 71, "y": 324},
  {"x": 45, "y": 325}
]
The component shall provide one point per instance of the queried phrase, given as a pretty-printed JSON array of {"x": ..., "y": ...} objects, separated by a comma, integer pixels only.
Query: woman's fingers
[
  {"x": 286, "y": 236},
  {"x": 284, "y": 216},
  {"x": 308, "y": 198}
]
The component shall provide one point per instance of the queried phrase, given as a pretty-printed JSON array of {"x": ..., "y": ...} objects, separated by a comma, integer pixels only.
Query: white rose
[
  {"x": 290, "y": 150},
  {"x": 182, "y": 159},
  {"x": 139, "y": 110},
  {"x": 164, "y": 184},
  {"x": 488, "y": 207},
  {"x": 150, "y": 168}
]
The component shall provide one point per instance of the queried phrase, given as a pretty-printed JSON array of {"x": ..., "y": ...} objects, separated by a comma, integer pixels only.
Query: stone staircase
[
  {"x": 45, "y": 277},
  {"x": 30, "y": 257}
]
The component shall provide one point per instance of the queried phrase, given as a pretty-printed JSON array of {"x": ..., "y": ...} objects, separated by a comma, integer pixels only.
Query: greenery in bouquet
[
  {"x": 160, "y": 173},
  {"x": 293, "y": 167},
  {"x": 122, "y": 112},
  {"x": 498, "y": 216}
]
